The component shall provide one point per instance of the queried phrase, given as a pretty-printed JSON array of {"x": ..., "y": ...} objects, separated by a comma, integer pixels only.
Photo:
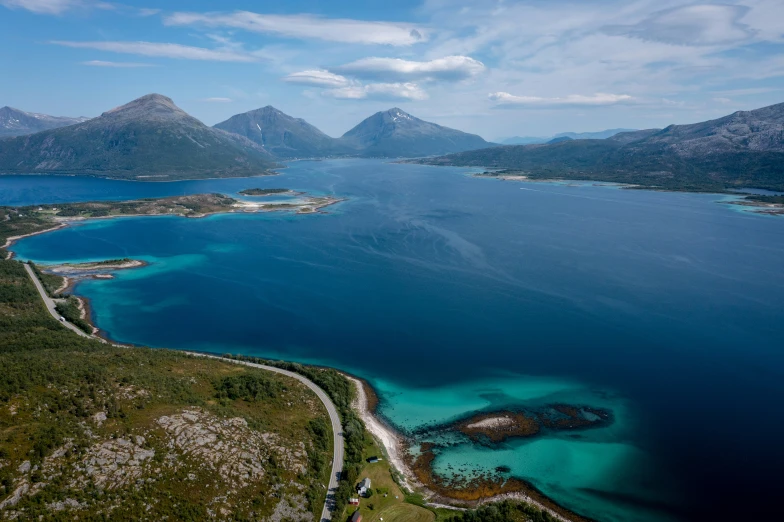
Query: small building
[
  {"x": 363, "y": 487},
  {"x": 353, "y": 501},
  {"x": 373, "y": 459},
  {"x": 356, "y": 517}
]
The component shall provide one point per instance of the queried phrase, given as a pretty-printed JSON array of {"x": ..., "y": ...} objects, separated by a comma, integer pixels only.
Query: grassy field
[{"x": 388, "y": 500}]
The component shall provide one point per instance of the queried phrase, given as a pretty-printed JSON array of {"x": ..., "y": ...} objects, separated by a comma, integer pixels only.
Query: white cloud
[
  {"x": 102, "y": 63},
  {"x": 337, "y": 86},
  {"x": 691, "y": 25},
  {"x": 382, "y": 91},
  {"x": 504, "y": 98},
  {"x": 52, "y": 7},
  {"x": 144, "y": 11},
  {"x": 319, "y": 78},
  {"x": 449, "y": 68},
  {"x": 217, "y": 99},
  {"x": 163, "y": 50},
  {"x": 308, "y": 27}
]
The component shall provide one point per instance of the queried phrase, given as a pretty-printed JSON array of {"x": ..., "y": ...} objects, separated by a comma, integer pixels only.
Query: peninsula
[{"x": 19, "y": 222}]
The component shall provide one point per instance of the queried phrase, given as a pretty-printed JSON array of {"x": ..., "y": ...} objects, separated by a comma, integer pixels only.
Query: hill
[
  {"x": 531, "y": 140},
  {"x": 744, "y": 149},
  {"x": 599, "y": 135},
  {"x": 14, "y": 122},
  {"x": 395, "y": 133},
  {"x": 149, "y": 138},
  {"x": 90, "y": 428},
  {"x": 279, "y": 133}
]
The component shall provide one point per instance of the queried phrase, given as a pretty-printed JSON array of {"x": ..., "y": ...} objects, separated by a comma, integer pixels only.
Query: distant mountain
[
  {"x": 744, "y": 149},
  {"x": 523, "y": 140},
  {"x": 600, "y": 135},
  {"x": 14, "y": 122},
  {"x": 279, "y": 133},
  {"x": 395, "y": 133},
  {"x": 148, "y": 138},
  {"x": 559, "y": 139},
  {"x": 531, "y": 140}
]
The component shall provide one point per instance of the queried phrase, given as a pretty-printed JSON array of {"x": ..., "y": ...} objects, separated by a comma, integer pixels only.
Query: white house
[{"x": 363, "y": 487}]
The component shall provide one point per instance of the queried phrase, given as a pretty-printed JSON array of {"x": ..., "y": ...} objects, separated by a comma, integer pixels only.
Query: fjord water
[{"x": 454, "y": 294}]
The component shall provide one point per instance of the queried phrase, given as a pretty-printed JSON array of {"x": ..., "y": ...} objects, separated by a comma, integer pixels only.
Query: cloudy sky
[{"x": 497, "y": 68}]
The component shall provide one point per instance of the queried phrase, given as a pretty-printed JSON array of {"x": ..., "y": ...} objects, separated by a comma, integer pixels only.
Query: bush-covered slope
[{"x": 93, "y": 431}]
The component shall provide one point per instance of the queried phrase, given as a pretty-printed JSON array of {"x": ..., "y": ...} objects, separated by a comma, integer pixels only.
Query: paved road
[
  {"x": 337, "y": 429},
  {"x": 50, "y": 304}
]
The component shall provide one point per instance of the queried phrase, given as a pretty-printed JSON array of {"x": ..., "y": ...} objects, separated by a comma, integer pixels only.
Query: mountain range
[
  {"x": 531, "y": 140},
  {"x": 743, "y": 149},
  {"x": 148, "y": 138},
  {"x": 14, "y": 122},
  {"x": 391, "y": 133},
  {"x": 152, "y": 138}
]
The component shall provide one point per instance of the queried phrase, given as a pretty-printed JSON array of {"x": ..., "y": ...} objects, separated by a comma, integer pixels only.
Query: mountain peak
[
  {"x": 395, "y": 133},
  {"x": 150, "y": 105},
  {"x": 399, "y": 115},
  {"x": 279, "y": 133}
]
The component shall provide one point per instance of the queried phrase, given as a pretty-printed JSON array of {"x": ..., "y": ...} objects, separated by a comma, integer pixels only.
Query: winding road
[
  {"x": 337, "y": 430},
  {"x": 50, "y": 304}
]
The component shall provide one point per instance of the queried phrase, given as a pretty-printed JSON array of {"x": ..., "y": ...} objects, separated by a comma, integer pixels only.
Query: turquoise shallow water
[{"x": 453, "y": 294}]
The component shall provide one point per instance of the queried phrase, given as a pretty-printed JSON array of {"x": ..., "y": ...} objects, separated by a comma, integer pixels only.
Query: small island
[
  {"x": 261, "y": 192},
  {"x": 499, "y": 426}
]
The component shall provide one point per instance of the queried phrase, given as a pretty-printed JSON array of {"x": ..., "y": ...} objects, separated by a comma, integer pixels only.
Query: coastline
[
  {"x": 396, "y": 447},
  {"x": 13, "y": 239},
  {"x": 409, "y": 471},
  {"x": 756, "y": 207},
  {"x": 312, "y": 206},
  {"x": 136, "y": 180}
]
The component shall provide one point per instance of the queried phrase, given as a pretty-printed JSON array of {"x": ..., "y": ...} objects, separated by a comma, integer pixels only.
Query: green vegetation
[
  {"x": 109, "y": 262},
  {"x": 69, "y": 309},
  {"x": 90, "y": 428},
  {"x": 51, "y": 282},
  {"x": 18, "y": 222},
  {"x": 388, "y": 501},
  {"x": 263, "y": 191},
  {"x": 342, "y": 393},
  {"x": 191, "y": 205},
  {"x": 504, "y": 511}
]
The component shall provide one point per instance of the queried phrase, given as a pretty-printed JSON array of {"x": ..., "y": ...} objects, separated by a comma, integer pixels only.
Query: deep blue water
[{"x": 452, "y": 294}]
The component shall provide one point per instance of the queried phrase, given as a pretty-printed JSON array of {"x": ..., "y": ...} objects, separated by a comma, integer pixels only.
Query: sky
[{"x": 497, "y": 68}]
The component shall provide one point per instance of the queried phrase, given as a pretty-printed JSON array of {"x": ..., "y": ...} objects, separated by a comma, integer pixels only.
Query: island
[{"x": 269, "y": 192}]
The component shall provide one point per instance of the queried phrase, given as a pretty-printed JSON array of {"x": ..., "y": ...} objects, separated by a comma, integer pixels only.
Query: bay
[{"x": 453, "y": 294}]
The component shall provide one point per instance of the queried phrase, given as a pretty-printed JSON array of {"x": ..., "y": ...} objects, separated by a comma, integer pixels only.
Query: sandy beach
[
  {"x": 391, "y": 441},
  {"x": 395, "y": 447},
  {"x": 67, "y": 268}
]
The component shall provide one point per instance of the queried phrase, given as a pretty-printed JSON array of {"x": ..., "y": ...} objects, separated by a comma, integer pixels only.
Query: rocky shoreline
[{"x": 416, "y": 474}]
